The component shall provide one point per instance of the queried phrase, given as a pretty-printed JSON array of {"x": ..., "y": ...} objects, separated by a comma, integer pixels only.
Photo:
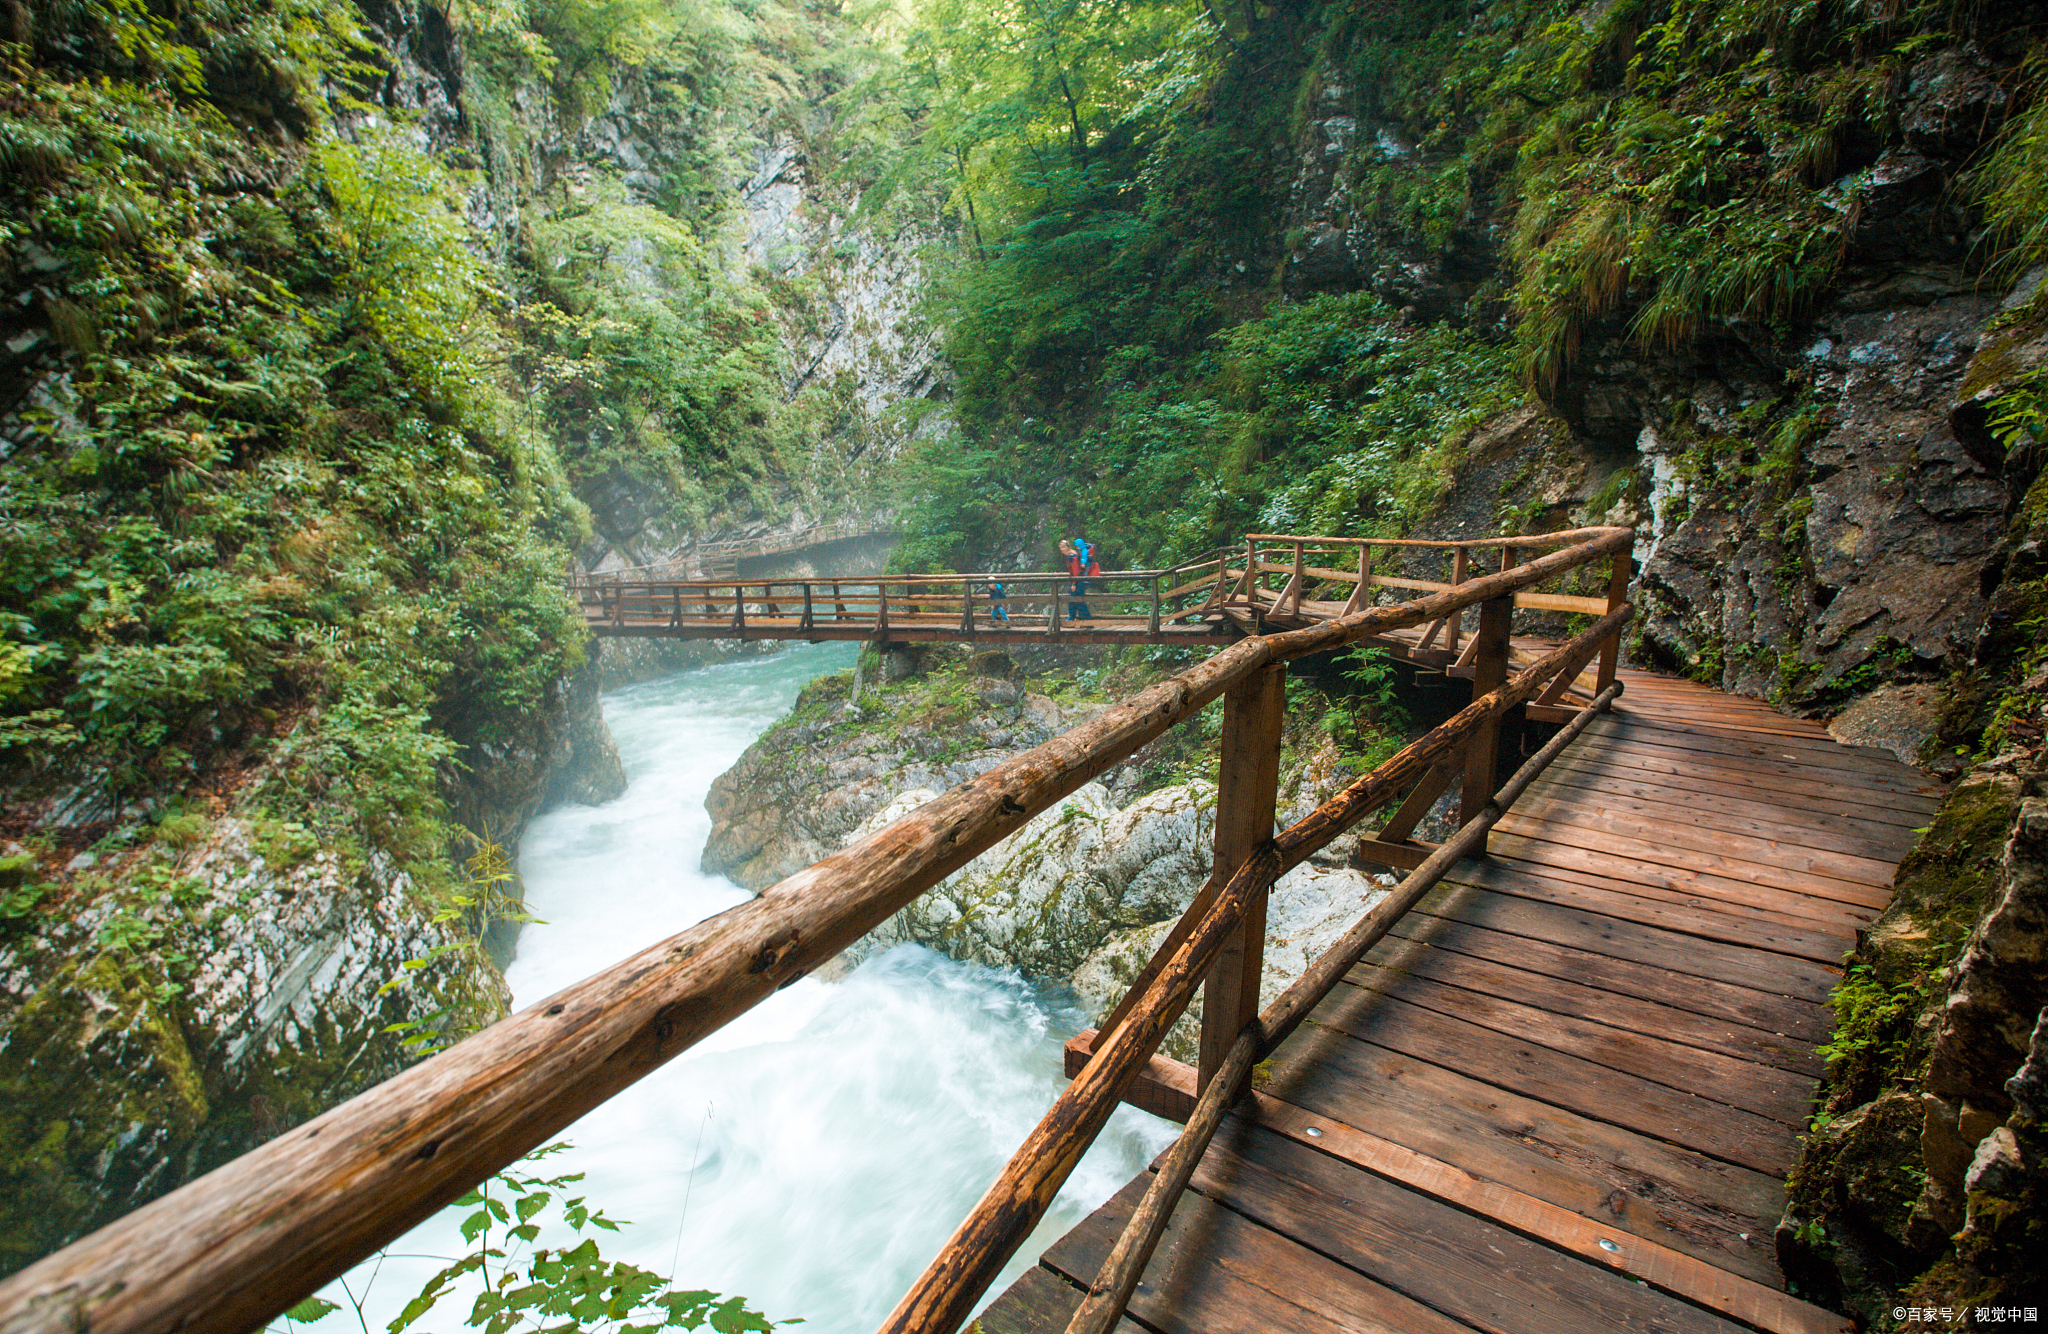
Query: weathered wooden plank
[
  {"x": 1566, "y": 992},
  {"x": 1707, "y": 712},
  {"x": 1734, "y": 924},
  {"x": 1217, "y": 1272},
  {"x": 1711, "y": 1075},
  {"x": 1597, "y": 1231},
  {"x": 1778, "y": 1017},
  {"x": 1564, "y": 1080},
  {"x": 1795, "y": 870},
  {"x": 1826, "y": 903},
  {"x": 1770, "y": 755},
  {"x": 1777, "y": 844},
  {"x": 1577, "y": 927},
  {"x": 1622, "y": 767},
  {"x": 1039, "y": 1302},
  {"x": 1471, "y": 1269},
  {"x": 1715, "y": 1211},
  {"x": 1705, "y": 810},
  {"x": 1609, "y": 1247},
  {"x": 1759, "y": 777}
]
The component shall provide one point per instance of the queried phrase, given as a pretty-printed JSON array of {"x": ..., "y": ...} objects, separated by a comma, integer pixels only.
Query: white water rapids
[{"x": 815, "y": 1154}]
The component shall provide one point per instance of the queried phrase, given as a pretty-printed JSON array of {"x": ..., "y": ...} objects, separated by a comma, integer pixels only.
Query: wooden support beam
[
  {"x": 1163, "y": 1087},
  {"x": 1460, "y": 567},
  {"x": 1248, "y": 786},
  {"x": 1617, "y": 593},
  {"x": 1402, "y": 856},
  {"x": 1289, "y": 603},
  {"x": 1152, "y": 621},
  {"x": 1433, "y": 785},
  {"x": 1361, "y": 594},
  {"x": 1489, "y": 670}
]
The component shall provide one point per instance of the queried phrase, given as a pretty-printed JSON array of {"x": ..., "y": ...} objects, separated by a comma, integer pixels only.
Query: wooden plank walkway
[{"x": 1565, "y": 1094}]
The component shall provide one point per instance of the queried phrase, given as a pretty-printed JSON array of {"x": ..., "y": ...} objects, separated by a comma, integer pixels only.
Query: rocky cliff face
[
  {"x": 189, "y": 1005},
  {"x": 1817, "y": 502},
  {"x": 1826, "y": 519},
  {"x": 173, "y": 996}
]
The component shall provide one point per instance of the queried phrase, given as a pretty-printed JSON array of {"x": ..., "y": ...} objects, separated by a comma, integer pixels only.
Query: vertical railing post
[
  {"x": 1617, "y": 593},
  {"x": 1361, "y": 596},
  {"x": 1152, "y": 621},
  {"x": 1060, "y": 588},
  {"x": 809, "y": 620},
  {"x": 1248, "y": 787},
  {"x": 1459, "y": 569},
  {"x": 1489, "y": 671}
]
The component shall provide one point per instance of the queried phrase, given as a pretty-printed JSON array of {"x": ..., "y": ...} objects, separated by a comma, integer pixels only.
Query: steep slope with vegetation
[{"x": 321, "y": 325}]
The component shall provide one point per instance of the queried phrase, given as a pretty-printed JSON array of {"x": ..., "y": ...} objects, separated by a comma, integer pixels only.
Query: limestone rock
[
  {"x": 1899, "y": 717},
  {"x": 1087, "y": 892},
  {"x": 805, "y": 787},
  {"x": 128, "y": 1072}
]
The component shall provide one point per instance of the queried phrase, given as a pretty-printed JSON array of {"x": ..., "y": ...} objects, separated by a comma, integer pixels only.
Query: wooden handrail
[
  {"x": 946, "y": 1292},
  {"x": 231, "y": 1250},
  {"x": 1118, "y": 1278},
  {"x": 1568, "y": 535}
]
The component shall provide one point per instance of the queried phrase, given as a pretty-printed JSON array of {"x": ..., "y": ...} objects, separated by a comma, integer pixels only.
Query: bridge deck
[{"x": 1584, "y": 1058}]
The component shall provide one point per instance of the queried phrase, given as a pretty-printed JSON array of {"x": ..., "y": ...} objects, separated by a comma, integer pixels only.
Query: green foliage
[
  {"x": 278, "y": 477},
  {"x": 406, "y": 268},
  {"x": 21, "y": 891},
  {"x": 1874, "y": 1020},
  {"x": 559, "y": 1288}
]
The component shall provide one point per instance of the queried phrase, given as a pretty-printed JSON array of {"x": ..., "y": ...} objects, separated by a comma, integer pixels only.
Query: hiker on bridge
[{"x": 1081, "y": 566}]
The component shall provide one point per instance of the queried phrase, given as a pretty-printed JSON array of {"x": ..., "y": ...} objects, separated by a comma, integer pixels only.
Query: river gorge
[{"x": 814, "y": 1155}]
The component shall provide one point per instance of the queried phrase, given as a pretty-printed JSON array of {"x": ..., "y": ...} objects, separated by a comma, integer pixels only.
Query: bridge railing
[
  {"x": 231, "y": 1250},
  {"x": 1047, "y": 602}
]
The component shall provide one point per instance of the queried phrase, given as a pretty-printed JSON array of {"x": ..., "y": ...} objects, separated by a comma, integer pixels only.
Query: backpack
[{"x": 1084, "y": 552}]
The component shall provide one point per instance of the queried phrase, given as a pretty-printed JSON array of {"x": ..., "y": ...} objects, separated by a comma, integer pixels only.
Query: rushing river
[{"x": 816, "y": 1153}]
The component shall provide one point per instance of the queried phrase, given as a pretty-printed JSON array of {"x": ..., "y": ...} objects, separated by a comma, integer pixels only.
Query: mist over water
[{"x": 815, "y": 1154}]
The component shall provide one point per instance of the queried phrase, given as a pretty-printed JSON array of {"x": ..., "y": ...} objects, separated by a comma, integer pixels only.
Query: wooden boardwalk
[{"x": 1565, "y": 1094}]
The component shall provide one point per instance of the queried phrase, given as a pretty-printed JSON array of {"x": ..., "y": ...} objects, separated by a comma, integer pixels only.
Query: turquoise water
[{"x": 815, "y": 1154}]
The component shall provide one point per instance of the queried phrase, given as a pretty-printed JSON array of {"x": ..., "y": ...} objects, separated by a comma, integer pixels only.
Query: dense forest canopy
[{"x": 1124, "y": 324}]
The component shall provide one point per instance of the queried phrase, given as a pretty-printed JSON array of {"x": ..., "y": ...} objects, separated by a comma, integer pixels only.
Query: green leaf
[{"x": 311, "y": 1309}]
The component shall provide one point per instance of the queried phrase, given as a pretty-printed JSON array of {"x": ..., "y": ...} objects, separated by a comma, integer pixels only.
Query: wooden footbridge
[
  {"x": 1551, "y": 1082},
  {"x": 1275, "y": 582}
]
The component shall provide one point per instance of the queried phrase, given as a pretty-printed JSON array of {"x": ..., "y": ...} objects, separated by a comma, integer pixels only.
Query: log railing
[
  {"x": 231, "y": 1250},
  {"x": 946, "y": 1293}
]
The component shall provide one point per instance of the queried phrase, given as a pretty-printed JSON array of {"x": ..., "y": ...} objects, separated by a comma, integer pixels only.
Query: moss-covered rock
[{"x": 176, "y": 1014}]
